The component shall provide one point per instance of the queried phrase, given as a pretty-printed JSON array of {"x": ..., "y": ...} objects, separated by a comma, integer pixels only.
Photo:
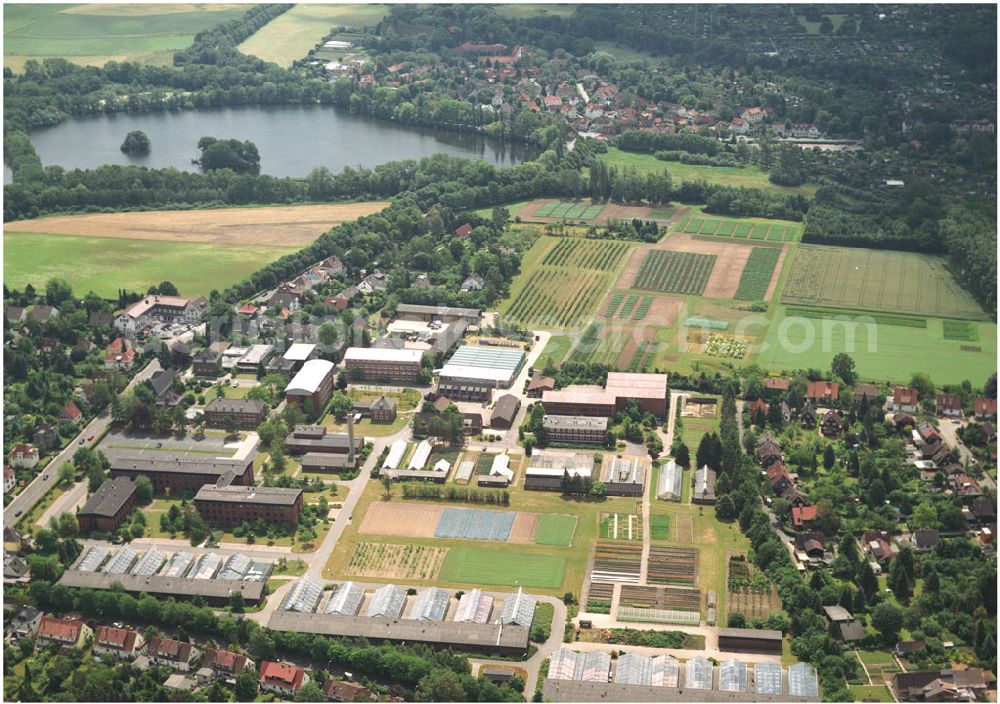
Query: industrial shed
[{"x": 750, "y": 640}]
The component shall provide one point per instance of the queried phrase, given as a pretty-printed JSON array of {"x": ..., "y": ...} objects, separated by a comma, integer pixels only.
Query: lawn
[
  {"x": 195, "y": 268},
  {"x": 291, "y": 35},
  {"x": 876, "y": 280},
  {"x": 555, "y": 351},
  {"x": 555, "y": 530},
  {"x": 513, "y": 209},
  {"x": 877, "y": 658},
  {"x": 502, "y": 567},
  {"x": 867, "y": 693},
  {"x": 750, "y": 176},
  {"x": 93, "y": 34},
  {"x": 880, "y": 351},
  {"x": 659, "y": 527}
]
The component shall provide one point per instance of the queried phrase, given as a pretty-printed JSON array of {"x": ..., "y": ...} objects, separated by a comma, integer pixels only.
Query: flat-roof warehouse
[{"x": 476, "y": 364}]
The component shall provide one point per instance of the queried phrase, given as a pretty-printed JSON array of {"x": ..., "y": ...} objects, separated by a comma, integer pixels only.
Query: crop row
[
  {"x": 626, "y": 310},
  {"x": 675, "y": 272},
  {"x": 643, "y": 309},
  {"x": 757, "y": 272},
  {"x": 586, "y": 254}
]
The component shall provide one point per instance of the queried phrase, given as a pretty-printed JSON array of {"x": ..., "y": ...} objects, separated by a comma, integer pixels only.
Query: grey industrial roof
[
  {"x": 109, "y": 497},
  {"x": 325, "y": 459},
  {"x": 750, "y": 633},
  {"x": 571, "y": 691},
  {"x": 575, "y": 422},
  {"x": 270, "y": 495},
  {"x": 470, "y": 635},
  {"x": 437, "y": 310},
  {"x": 236, "y": 405},
  {"x": 159, "y": 585},
  {"x": 180, "y": 464},
  {"x": 506, "y": 407}
]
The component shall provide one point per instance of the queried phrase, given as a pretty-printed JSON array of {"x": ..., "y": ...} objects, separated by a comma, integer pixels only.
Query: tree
[
  {"x": 310, "y": 692},
  {"x": 653, "y": 444},
  {"x": 888, "y": 620},
  {"x": 57, "y": 292},
  {"x": 67, "y": 472},
  {"x": 386, "y": 486},
  {"x": 682, "y": 455},
  {"x": 440, "y": 685},
  {"x": 232, "y": 425},
  {"x": 843, "y": 366},
  {"x": 136, "y": 143},
  {"x": 247, "y": 685},
  {"x": 327, "y": 335},
  {"x": 143, "y": 490},
  {"x": 236, "y": 602},
  {"x": 828, "y": 457},
  {"x": 923, "y": 384},
  {"x": 340, "y": 405}
]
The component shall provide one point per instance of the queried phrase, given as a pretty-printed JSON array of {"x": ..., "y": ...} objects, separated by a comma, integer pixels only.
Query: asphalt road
[{"x": 47, "y": 478}]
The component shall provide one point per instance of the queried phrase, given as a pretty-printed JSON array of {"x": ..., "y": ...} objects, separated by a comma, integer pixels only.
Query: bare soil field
[
  {"x": 401, "y": 520},
  {"x": 523, "y": 531},
  {"x": 731, "y": 258},
  {"x": 684, "y": 529},
  {"x": 391, "y": 561},
  {"x": 278, "y": 226}
]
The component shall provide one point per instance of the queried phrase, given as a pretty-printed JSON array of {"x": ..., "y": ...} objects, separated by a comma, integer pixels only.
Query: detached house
[
  {"x": 121, "y": 643},
  {"x": 70, "y": 413},
  {"x": 986, "y": 408},
  {"x": 119, "y": 354},
  {"x": 903, "y": 400},
  {"x": 949, "y": 405},
  {"x": 64, "y": 632},
  {"x": 225, "y": 663},
  {"x": 281, "y": 679},
  {"x": 823, "y": 391},
  {"x": 832, "y": 423},
  {"x": 803, "y": 517},
  {"x": 23, "y": 456},
  {"x": 175, "y": 654}
]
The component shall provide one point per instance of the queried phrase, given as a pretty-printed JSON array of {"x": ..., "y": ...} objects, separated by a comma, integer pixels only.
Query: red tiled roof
[
  {"x": 64, "y": 630},
  {"x": 71, "y": 411},
  {"x": 169, "y": 649},
  {"x": 986, "y": 406},
  {"x": 464, "y": 231},
  {"x": 804, "y": 514},
  {"x": 225, "y": 660},
  {"x": 904, "y": 395},
  {"x": 281, "y": 674},
  {"x": 776, "y": 384},
  {"x": 248, "y": 309},
  {"x": 823, "y": 390},
  {"x": 117, "y": 638}
]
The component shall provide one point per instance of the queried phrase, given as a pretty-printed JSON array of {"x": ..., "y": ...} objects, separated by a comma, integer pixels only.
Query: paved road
[
  {"x": 47, "y": 478},
  {"x": 66, "y": 503}
]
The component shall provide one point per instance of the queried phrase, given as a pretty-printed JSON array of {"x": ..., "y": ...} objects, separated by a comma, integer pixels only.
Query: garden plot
[
  {"x": 562, "y": 210},
  {"x": 756, "y": 276},
  {"x": 525, "y": 528},
  {"x": 401, "y": 520},
  {"x": 674, "y": 272},
  {"x": 617, "y": 561},
  {"x": 684, "y": 529},
  {"x": 621, "y": 526},
  {"x": 681, "y": 598},
  {"x": 713, "y": 226},
  {"x": 750, "y": 592},
  {"x": 670, "y": 564},
  {"x": 391, "y": 561},
  {"x": 722, "y": 346}
]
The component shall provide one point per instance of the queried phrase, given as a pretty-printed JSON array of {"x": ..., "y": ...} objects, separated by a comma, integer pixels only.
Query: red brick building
[
  {"x": 249, "y": 413},
  {"x": 311, "y": 388},
  {"x": 231, "y": 506},
  {"x": 108, "y": 507},
  {"x": 175, "y": 474}
]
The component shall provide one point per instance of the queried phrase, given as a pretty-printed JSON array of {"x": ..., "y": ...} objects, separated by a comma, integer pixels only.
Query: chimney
[{"x": 350, "y": 438}]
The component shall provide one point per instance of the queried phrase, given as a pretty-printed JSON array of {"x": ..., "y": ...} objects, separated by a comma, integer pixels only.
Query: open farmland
[
  {"x": 563, "y": 281},
  {"x": 675, "y": 272},
  {"x": 93, "y": 34},
  {"x": 877, "y": 280},
  {"x": 502, "y": 567},
  {"x": 291, "y": 35},
  {"x": 892, "y": 352},
  {"x": 745, "y": 229},
  {"x": 562, "y": 210},
  {"x": 278, "y": 226},
  {"x": 196, "y": 269},
  {"x": 756, "y": 276}
]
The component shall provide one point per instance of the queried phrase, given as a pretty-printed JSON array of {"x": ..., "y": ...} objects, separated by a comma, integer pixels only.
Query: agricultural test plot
[
  {"x": 961, "y": 330},
  {"x": 672, "y": 564},
  {"x": 659, "y": 527},
  {"x": 621, "y": 526},
  {"x": 474, "y": 524},
  {"x": 401, "y": 520},
  {"x": 684, "y": 529},
  {"x": 557, "y": 298},
  {"x": 675, "y": 272},
  {"x": 391, "y": 561},
  {"x": 722, "y": 346},
  {"x": 600, "y": 344},
  {"x": 877, "y": 280},
  {"x": 715, "y": 226},
  {"x": 576, "y": 253},
  {"x": 555, "y": 530},
  {"x": 562, "y": 210},
  {"x": 756, "y": 276},
  {"x": 749, "y": 592},
  {"x": 682, "y": 598},
  {"x": 503, "y": 567},
  {"x": 599, "y": 597},
  {"x": 617, "y": 561}
]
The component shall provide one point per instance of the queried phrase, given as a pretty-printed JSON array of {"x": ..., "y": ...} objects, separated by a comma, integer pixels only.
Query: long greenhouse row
[{"x": 182, "y": 564}]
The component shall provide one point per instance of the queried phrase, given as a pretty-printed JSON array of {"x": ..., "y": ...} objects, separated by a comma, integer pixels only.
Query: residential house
[
  {"x": 374, "y": 282},
  {"x": 281, "y": 678},
  {"x": 119, "y": 354},
  {"x": 986, "y": 408},
  {"x": 207, "y": 363},
  {"x": 344, "y": 691},
  {"x": 907, "y": 648},
  {"x": 175, "y": 654},
  {"x": 808, "y": 417},
  {"x": 15, "y": 315},
  {"x": 832, "y": 423},
  {"x": 774, "y": 386},
  {"x": 225, "y": 663},
  {"x": 866, "y": 392},
  {"x": 23, "y": 456},
  {"x": 162, "y": 382},
  {"x": 121, "y": 643},
  {"x": 926, "y": 539},
  {"x": 950, "y": 685},
  {"x": 949, "y": 405},
  {"x": 70, "y": 413},
  {"x": 903, "y": 400},
  {"x": 473, "y": 283},
  {"x": 786, "y": 413},
  {"x": 823, "y": 391},
  {"x": 25, "y": 624},
  {"x": 848, "y": 629},
  {"x": 67, "y": 633},
  {"x": 803, "y": 517},
  {"x": 9, "y": 480},
  {"x": 42, "y": 313},
  {"x": 756, "y": 407},
  {"x": 463, "y": 231},
  {"x": 753, "y": 115},
  {"x": 878, "y": 544},
  {"x": 768, "y": 451},
  {"x": 983, "y": 510},
  {"x": 739, "y": 126},
  {"x": 779, "y": 477},
  {"x": 540, "y": 384},
  {"x": 15, "y": 568}
]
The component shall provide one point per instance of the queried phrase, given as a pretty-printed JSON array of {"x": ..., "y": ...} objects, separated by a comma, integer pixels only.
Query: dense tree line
[{"x": 651, "y": 142}]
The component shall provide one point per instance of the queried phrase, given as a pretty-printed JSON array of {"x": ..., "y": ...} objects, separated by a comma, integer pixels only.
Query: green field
[
  {"x": 880, "y": 351},
  {"x": 870, "y": 693},
  {"x": 878, "y": 280},
  {"x": 750, "y": 176},
  {"x": 757, "y": 273},
  {"x": 568, "y": 210},
  {"x": 659, "y": 527},
  {"x": 555, "y": 351},
  {"x": 755, "y": 229},
  {"x": 503, "y": 567},
  {"x": 95, "y": 34},
  {"x": 555, "y": 530},
  {"x": 563, "y": 280},
  {"x": 291, "y": 35},
  {"x": 600, "y": 345},
  {"x": 105, "y": 265}
]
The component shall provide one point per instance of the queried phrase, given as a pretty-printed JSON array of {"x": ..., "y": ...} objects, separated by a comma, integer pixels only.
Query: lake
[{"x": 292, "y": 139}]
